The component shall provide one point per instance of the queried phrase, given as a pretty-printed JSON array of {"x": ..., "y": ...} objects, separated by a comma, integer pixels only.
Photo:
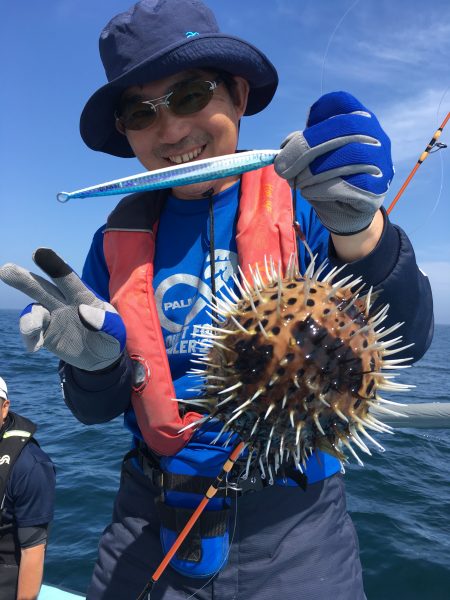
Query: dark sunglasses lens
[
  {"x": 137, "y": 115},
  {"x": 191, "y": 97}
]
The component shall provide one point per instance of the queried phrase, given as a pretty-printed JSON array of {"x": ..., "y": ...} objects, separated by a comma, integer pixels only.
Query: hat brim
[{"x": 217, "y": 51}]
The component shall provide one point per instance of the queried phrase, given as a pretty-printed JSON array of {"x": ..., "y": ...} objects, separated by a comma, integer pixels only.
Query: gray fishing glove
[
  {"x": 341, "y": 163},
  {"x": 69, "y": 320}
]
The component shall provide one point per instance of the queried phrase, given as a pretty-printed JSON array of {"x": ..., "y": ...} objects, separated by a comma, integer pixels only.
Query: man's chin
[
  {"x": 194, "y": 191},
  {"x": 197, "y": 191}
]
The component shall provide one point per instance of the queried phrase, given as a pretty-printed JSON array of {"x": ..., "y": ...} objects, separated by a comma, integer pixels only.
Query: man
[
  {"x": 27, "y": 493},
  {"x": 177, "y": 90}
]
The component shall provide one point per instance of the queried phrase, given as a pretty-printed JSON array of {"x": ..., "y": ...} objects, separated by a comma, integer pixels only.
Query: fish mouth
[{"x": 185, "y": 157}]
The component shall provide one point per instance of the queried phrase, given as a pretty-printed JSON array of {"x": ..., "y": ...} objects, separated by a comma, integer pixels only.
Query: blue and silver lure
[{"x": 192, "y": 172}]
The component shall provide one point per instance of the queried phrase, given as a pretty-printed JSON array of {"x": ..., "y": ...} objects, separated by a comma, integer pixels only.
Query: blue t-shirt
[
  {"x": 30, "y": 491},
  {"x": 182, "y": 281},
  {"x": 182, "y": 286}
]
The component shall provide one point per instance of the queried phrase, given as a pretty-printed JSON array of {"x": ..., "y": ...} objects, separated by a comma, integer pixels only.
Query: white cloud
[{"x": 410, "y": 45}]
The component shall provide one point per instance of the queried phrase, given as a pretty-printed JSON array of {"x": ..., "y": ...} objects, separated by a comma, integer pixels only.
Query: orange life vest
[{"x": 264, "y": 227}]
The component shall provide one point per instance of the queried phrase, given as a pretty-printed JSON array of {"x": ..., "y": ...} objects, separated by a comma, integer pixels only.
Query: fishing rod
[
  {"x": 433, "y": 143},
  {"x": 210, "y": 492}
]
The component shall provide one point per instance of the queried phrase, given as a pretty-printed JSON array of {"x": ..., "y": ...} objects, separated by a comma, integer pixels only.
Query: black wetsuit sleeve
[
  {"x": 391, "y": 267},
  {"x": 97, "y": 397}
]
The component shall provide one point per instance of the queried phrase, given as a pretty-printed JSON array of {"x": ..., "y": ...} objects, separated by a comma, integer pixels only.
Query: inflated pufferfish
[{"x": 295, "y": 363}]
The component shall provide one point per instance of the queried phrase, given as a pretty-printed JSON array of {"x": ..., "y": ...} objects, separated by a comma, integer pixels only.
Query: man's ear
[
  {"x": 241, "y": 91},
  {"x": 120, "y": 128},
  {"x": 5, "y": 408}
]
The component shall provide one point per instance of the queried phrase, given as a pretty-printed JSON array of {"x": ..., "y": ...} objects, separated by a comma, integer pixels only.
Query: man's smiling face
[{"x": 175, "y": 139}]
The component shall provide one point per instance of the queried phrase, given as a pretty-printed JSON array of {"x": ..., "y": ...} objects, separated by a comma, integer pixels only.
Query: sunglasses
[{"x": 187, "y": 98}]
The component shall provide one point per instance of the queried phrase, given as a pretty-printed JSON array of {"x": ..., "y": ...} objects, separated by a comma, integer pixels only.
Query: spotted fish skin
[{"x": 294, "y": 364}]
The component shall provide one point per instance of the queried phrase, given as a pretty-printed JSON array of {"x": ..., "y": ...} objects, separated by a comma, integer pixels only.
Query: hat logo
[
  {"x": 5, "y": 459},
  {"x": 191, "y": 33}
]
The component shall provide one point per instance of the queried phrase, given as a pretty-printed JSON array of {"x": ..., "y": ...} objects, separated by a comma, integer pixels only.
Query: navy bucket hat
[{"x": 158, "y": 38}]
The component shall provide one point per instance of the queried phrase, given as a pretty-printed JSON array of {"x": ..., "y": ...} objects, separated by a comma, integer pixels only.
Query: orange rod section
[
  {"x": 422, "y": 157},
  {"x": 212, "y": 490}
]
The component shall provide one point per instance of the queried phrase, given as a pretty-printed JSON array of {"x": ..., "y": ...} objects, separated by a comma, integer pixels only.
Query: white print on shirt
[
  {"x": 176, "y": 304},
  {"x": 177, "y": 343}
]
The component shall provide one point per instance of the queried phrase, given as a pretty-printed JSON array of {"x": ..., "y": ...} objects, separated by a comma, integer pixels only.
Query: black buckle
[
  {"x": 155, "y": 475},
  {"x": 253, "y": 483},
  {"x": 148, "y": 465}
]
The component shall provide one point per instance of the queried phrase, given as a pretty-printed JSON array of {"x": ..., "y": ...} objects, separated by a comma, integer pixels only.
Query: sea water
[{"x": 399, "y": 501}]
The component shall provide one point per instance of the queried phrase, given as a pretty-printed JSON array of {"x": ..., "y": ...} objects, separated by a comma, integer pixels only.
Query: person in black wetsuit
[{"x": 27, "y": 495}]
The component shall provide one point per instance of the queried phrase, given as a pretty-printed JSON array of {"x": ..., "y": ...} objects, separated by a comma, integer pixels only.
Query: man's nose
[{"x": 171, "y": 128}]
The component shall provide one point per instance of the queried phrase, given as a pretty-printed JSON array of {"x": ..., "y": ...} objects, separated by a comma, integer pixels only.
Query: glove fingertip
[
  {"x": 34, "y": 317},
  {"x": 51, "y": 263},
  {"x": 32, "y": 324},
  {"x": 332, "y": 104},
  {"x": 10, "y": 272},
  {"x": 288, "y": 138},
  {"x": 33, "y": 343},
  {"x": 6, "y": 268},
  {"x": 91, "y": 317}
]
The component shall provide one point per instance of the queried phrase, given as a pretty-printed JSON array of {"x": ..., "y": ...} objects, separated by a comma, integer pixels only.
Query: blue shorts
[{"x": 286, "y": 543}]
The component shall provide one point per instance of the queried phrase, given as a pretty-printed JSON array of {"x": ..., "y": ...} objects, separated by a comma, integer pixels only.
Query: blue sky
[{"x": 393, "y": 56}]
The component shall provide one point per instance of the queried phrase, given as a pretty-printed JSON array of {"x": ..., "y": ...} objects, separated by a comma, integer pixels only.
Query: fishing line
[
  {"x": 441, "y": 187},
  {"x": 330, "y": 40},
  {"x": 432, "y": 147},
  {"x": 438, "y": 199}
]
